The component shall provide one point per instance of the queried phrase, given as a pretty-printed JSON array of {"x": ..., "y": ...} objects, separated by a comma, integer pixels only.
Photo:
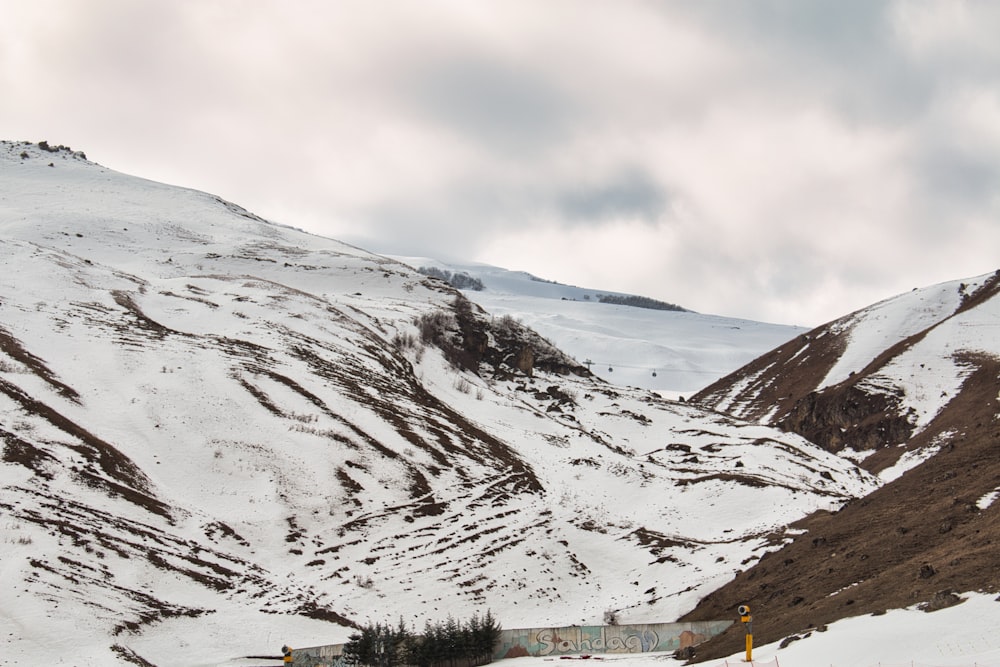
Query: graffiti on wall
[
  {"x": 624, "y": 643},
  {"x": 580, "y": 639}
]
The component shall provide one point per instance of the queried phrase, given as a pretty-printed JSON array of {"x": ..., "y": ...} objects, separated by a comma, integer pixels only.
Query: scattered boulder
[
  {"x": 942, "y": 600},
  {"x": 788, "y": 640}
]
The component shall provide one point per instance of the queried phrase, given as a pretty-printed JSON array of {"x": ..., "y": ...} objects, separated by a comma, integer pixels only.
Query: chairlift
[
  {"x": 610, "y": 369},
  {"x": 654, "y": 373}
]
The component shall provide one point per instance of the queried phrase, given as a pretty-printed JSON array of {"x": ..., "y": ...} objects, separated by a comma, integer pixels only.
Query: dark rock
[
  {"x": 942, "y": 600},
  {"x": 686, "y": 653}
]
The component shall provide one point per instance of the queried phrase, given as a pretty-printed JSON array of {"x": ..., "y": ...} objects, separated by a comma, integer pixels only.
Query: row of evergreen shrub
[
  {"x": 639, "y": 302},
  {"x": 448, "y": 644}
]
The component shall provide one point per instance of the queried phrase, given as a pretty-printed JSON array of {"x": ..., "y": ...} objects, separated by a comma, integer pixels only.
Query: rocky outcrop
[
  {"x": 849, "y": 415},
  {"x": 499, "y": 347}
]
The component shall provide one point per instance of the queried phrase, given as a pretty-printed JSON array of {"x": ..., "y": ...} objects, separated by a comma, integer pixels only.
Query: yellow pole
[{"x": 744, "y": 612}]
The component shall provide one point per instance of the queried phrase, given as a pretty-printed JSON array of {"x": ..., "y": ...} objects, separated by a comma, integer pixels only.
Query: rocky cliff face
[{"x": 849, "y": 416}]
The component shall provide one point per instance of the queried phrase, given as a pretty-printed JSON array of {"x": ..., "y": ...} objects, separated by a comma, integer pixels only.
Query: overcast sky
[{"x": 782, "y": 161}]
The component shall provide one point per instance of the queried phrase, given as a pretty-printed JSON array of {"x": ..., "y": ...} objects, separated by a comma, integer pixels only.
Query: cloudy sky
[{"x": 786, "y": 161}]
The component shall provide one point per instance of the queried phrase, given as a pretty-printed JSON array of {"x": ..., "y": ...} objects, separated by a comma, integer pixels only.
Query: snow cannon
[{"x": 744, "y": 611}]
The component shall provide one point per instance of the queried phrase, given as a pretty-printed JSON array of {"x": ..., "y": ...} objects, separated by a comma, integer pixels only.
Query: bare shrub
[
  {"x": 404, "y": 341},
  {"x": 506, "y": 324},
  {"x": 434, "y": 326}
]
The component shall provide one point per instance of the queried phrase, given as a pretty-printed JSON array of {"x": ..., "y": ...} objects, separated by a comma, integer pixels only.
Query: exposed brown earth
[{"x": 898, "y": 547}]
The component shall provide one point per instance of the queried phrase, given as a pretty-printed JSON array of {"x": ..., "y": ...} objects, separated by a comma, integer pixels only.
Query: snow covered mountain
[
  {"x": 672, "y": 352},
  {"x": 880, "y": 385},
  {"x": 910, "y": 389},
  {"x": 221, "y": 434}
]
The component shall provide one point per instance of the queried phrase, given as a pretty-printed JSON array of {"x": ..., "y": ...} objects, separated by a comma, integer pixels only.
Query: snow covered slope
[
  {"x": 909, "y": 388},
  {"x": 672, "y": 352},
  {"x": 877, "y": 378},
  {"x": 221, "y": 434}
]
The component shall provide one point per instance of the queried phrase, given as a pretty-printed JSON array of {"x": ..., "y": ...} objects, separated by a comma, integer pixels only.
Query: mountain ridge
[{"x": 908, "y": 389}]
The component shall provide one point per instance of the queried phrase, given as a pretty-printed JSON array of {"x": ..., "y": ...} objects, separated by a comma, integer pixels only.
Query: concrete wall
[
  {"x": 573, "y": 640},
  {"x": 576, "y": 640},
  {"x": 318, "y": 656}
]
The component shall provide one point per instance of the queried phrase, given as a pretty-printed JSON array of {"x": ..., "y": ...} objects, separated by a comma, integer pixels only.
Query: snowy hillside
[
  {"x": 222, "y": 434},
  {"x": 672, "y": 352},
  {"x": 910, "y": 389},
  {"x": 902, "y": 361}
]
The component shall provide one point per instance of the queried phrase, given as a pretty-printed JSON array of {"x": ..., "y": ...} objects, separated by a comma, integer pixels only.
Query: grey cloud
[
  {"x": 955, "y": 183},
  {"x": 399, "y": 232},
  {"x": 631, "y": 193},
  {"x": 823, "y": 34},
  {"x": 448, "y": 227},
  {"x": 470, "y": 212},
  {"x": 838, "y": 53},
  {"x": 502, "y": 105}
]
